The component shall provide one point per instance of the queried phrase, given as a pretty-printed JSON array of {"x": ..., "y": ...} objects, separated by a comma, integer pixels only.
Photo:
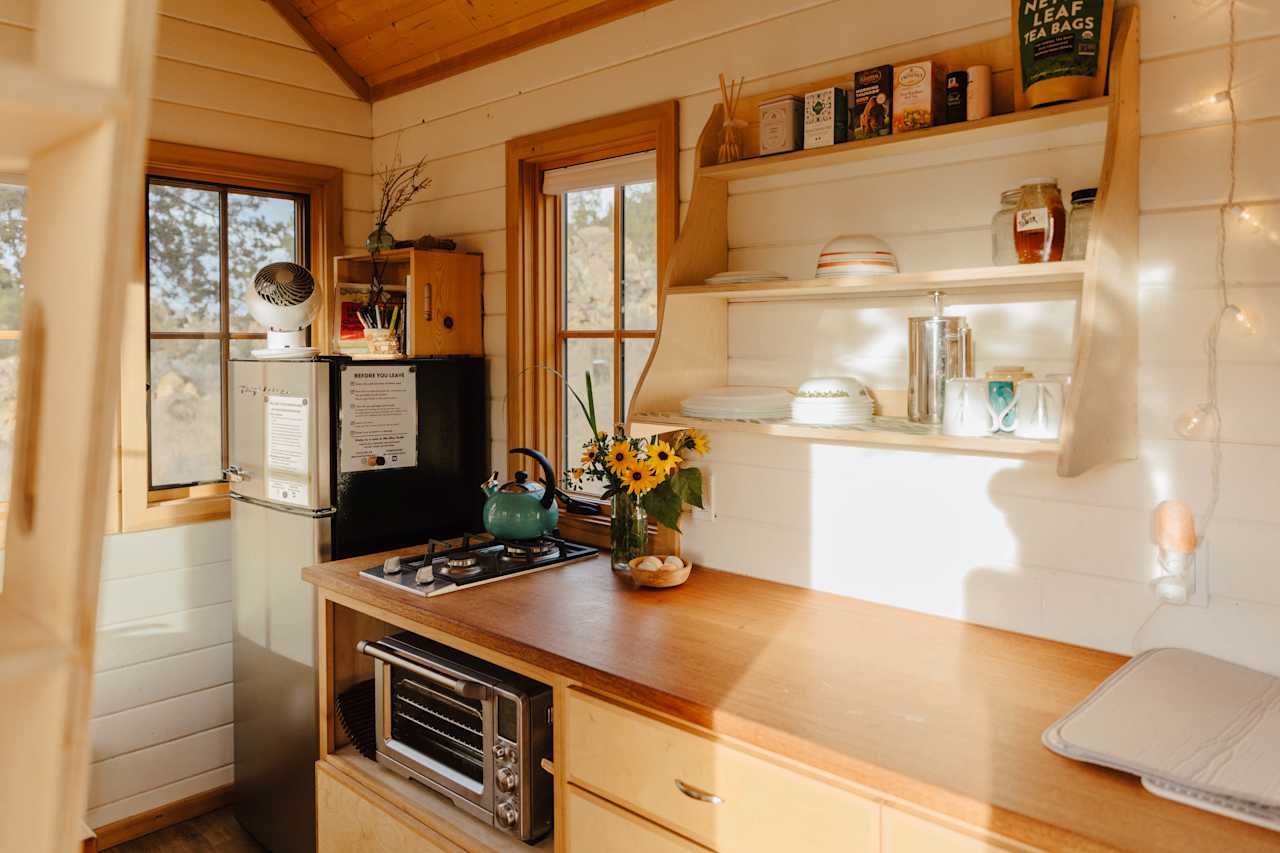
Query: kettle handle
[{"x": 548, "y": 475}]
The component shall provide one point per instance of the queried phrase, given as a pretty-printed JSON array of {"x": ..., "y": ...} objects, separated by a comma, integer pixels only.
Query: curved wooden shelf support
[{"x": 691, "y": 352}]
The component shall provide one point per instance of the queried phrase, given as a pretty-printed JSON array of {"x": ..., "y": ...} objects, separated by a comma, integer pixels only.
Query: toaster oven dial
[
  {"x": 508, "y": 815},
  {"x": 504, "y": 752},
  {"x": 507, "y": 779}
]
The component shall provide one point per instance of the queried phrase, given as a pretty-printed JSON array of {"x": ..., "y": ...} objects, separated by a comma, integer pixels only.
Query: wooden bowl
[{"x": 658, "y": 578}]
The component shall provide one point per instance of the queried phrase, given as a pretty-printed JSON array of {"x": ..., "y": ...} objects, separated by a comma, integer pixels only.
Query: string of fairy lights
[{"x": 1203, "y": 422}]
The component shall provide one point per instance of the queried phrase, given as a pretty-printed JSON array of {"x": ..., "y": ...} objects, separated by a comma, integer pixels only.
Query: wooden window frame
[
  {"x": 141, "y": 507},
  {"x": 534, "y": 396}
]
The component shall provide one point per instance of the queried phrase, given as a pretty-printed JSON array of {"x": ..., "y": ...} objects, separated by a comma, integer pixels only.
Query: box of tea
[
  {"x": 873, "y": 102},
  {"x": 826, "y": 117},
  {"x": 918, "y": 99}
]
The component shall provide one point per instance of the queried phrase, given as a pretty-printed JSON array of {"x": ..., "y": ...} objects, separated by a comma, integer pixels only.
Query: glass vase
[
  {"x": 380, "y": 240},
  {"x": 628, "y": 528}
]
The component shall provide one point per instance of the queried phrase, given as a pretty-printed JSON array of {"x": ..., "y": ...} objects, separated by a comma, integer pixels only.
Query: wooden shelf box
[
  {"x": 692, "y": 349},
  {"x": 441, "y": 294}
]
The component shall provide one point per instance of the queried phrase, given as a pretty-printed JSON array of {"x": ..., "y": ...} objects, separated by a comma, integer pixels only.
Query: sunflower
[
  {"x": 621, "y": 457},
  {"x": 639, "y": 478},
  {"x": 663, "y": 458},
  {"x": 589, "y": 454},
  {"x": 697, "y": 441}
]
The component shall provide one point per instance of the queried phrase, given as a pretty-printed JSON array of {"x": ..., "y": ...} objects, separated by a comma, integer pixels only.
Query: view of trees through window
[
  {"x": 13, "y": 246},
  {"x": 205, "y": 244},
  {"x": 610, "y": 293}
]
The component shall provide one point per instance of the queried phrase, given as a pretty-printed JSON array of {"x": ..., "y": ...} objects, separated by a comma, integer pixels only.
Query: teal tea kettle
[{"x": 522, "y": 509}]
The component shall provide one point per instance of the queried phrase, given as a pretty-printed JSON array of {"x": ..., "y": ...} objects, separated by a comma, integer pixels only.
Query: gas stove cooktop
[{"x": 479, "y": 559}]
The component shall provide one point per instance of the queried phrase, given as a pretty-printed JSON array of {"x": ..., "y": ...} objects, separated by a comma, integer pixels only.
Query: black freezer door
[{"x": 385, "y": 508}]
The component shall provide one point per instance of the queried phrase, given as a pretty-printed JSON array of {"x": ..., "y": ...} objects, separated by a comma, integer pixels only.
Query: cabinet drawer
[
  {"x": 597, "y": 826},
  {"x": 640, "y": 762},
  {"x": 906, "y": 833},
  {"x": 351, "y": 820}
]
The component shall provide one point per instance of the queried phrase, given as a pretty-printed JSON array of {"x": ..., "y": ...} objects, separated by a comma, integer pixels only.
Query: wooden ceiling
[{"x": 382, "y": 47}]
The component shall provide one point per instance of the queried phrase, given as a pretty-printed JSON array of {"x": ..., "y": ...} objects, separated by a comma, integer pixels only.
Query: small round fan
[{"x": 285, "y": 299}]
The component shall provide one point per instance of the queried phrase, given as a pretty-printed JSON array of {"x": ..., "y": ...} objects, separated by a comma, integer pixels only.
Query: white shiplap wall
[
  {"x": 230, "y": 74},
  {"x": 1001, "y": 542}
]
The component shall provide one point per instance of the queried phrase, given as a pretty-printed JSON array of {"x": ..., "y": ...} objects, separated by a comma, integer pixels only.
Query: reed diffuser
[{"x": 730, "y": 95}]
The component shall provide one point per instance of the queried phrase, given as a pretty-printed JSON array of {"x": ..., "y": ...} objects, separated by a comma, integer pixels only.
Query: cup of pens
[{"x": 381, "y": 329}]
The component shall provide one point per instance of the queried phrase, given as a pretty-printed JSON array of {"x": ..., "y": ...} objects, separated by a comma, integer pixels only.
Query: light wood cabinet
[
  {"x": 352, "y": 820},
  {"x": 598, "y": 826},
  {"x": 441, "y": 294},
  {"x": 720, "y": 796},
  {"x": 906, "y": 833}
]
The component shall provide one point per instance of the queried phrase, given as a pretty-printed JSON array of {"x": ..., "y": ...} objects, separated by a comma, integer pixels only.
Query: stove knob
[
  {"x": 504, "y": 752},
  {"x": 508, "y": 816},
  {"x": 507, "y": 779}
]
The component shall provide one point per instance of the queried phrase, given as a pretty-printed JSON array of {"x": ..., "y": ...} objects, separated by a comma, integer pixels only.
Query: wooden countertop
[{"x": 937, "y": 712}]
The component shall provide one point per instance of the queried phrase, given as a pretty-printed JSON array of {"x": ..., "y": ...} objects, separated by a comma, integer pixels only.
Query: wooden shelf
[
  {"x": 38, "y": 111},
  {"x": 884, "y": 432},
  {"x": 692, "y": 351},
  {"x": 1026, "y": 122},
  {"x": 1063, "y": 275}
]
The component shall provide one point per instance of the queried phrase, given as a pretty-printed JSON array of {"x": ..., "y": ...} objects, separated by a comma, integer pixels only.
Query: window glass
[
  {"x": 589, "y": 284},
  {"x": 13, "y": 247},
  {"x": 640, "y": 256},
  {"x": 260, "y": 230},
  {"x": 184, "y": 258},
  {"x": 186, "y": 411},
  {"x": 635, "y": 354}
]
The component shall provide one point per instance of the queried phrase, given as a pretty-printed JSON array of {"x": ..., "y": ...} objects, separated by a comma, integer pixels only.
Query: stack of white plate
[
  {"x": 832, "y": 401},
  {"x": 856, "y": 255},
  {"x": 739, "y": 403},
  {"x": 745, "y": 277}
]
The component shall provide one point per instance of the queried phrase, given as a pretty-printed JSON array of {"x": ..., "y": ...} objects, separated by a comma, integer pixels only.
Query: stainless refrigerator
[{"x": 328, "y": 459}]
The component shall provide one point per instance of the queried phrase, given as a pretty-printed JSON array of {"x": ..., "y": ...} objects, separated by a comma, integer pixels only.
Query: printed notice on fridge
[
  {"x": 379, "y": 418},
  {"x": 287, "y": 469}
]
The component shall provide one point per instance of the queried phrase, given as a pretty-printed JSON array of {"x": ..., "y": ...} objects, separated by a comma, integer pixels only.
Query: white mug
[
  {"x": 966, "y": 410},
  {"x": 1039, "y": 408}
]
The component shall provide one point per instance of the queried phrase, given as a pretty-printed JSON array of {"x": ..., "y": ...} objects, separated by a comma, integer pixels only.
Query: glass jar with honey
[{"x": 1040, "y": 222}]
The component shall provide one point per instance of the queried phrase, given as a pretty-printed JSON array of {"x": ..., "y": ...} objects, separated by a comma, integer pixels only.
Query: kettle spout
[{"x": 490, "y": 485}]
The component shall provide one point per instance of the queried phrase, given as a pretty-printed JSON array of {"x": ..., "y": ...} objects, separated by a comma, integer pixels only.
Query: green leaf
[
  {"x": 664, "y": 505},
  {"x": 591, "y": 399},
  {"x": 687, "y": 484}
]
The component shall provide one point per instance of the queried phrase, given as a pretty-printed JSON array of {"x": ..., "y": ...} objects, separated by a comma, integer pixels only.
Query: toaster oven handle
[{"x": 461, "y": 687}]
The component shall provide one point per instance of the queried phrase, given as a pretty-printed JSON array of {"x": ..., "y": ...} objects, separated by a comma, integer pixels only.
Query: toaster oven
[{"x": 473, "y": 731}]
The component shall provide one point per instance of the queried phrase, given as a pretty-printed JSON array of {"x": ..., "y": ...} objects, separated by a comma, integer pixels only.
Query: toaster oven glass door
[{"x": 443, "y": 733}]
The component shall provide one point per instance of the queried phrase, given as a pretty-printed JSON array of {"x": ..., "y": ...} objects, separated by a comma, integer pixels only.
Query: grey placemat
[{"x": 1197, "y": 729}]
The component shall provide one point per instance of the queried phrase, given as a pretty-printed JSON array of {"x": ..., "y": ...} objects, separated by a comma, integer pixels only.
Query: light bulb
[
  {"x": 1198, "y": 423},
  {"x": 1219, "y": 97},
  {"x": 1241, "y": 322}
]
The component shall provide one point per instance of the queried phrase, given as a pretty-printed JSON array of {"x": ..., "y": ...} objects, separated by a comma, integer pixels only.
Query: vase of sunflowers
[{"x": 642, "y": 477}]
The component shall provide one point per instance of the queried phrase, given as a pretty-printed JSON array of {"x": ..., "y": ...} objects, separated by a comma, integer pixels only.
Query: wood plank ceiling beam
[{"x": 303, "y": 27}]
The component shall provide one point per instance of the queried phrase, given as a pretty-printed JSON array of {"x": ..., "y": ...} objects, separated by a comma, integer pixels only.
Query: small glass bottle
[
  {"x": 1002, "y": 251},
  {"x": 1079, "y": 222},
  {"x": 1040, "y": 222}
]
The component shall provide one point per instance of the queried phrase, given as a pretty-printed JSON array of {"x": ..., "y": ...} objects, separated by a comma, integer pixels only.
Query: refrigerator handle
[{"x": 308, "y": 512}]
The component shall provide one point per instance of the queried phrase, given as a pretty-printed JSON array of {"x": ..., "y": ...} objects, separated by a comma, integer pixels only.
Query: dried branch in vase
[{"x": 400, "y": 185}]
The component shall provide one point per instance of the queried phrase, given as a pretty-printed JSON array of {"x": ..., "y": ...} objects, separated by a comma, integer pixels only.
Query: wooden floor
[{"x": 215, "y": 832}]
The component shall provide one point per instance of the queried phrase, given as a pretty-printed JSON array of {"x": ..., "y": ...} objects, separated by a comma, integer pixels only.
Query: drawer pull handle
[{"x": 698, "y": 794}]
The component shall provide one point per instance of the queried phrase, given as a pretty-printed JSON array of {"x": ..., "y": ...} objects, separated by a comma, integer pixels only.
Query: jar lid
[
  {"x": 1011, "y": 196},
  {"x": 1087, "y": 194},
  {"x": 1035, "y": 182}
]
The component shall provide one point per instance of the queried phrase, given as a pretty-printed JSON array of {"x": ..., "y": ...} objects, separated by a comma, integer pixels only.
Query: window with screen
[
  {"x": 205, "y": 243},
  {"x": 609, "y": 288}
]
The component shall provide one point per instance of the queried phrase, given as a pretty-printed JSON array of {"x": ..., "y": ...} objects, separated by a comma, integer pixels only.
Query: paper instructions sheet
[
  {"x": 379, "y": 418},
  {"x": 288, "y": 470}
]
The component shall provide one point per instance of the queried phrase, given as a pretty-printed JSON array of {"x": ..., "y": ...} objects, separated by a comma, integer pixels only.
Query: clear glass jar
[
  {"x": 1040, "y": 222},
  {"x": 628, "y": 529},
  {"x": 1078, "y": 223},
  {"x": 1002, "y": 251}
]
